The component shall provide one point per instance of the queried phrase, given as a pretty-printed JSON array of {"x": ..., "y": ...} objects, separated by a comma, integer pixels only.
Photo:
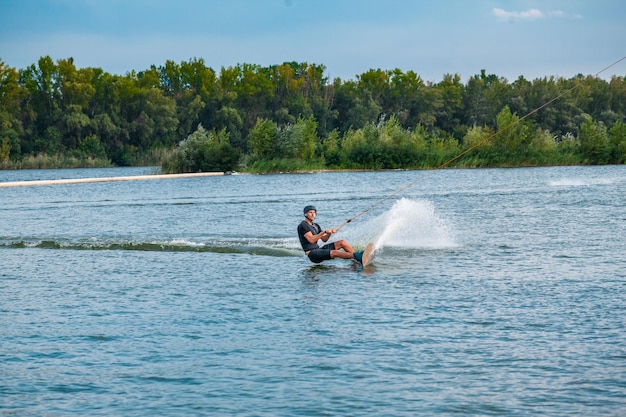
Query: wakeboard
[{"x": 368, "y": 254}]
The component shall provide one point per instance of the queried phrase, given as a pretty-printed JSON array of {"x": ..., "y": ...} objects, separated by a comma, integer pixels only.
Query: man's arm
[
  {"x": 327, "y": 233},
  {"x": 324, "y": 235}
]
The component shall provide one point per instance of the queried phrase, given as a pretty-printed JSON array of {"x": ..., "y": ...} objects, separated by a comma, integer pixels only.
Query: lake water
[{"x": 493, "y": 292}]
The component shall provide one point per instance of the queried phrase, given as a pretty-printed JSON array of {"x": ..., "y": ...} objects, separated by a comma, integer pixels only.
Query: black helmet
[{"x": 309, "y": 208}]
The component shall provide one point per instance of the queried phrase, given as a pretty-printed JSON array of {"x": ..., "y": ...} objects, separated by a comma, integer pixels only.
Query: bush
[
  {"x": 594, "y": 141},
  {"x": 203, "y": 151}
]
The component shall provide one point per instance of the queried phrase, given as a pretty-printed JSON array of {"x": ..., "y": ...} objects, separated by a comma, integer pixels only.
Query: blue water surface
[{"x": 492, "y": 292}]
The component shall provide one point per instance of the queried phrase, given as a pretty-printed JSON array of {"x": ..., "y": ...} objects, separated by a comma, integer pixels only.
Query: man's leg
[
  {"x": 341, "y": 254},
  {"x": 342, "y": 244}
]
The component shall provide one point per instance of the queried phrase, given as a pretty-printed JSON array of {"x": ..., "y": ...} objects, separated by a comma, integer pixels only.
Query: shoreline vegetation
[
  {"x": 60, "y": 161},
  {"x": 187, "y": 118}
]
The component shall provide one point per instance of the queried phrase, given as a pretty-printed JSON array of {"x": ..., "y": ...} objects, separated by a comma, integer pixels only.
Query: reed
[{"x": 45, "y": 161}]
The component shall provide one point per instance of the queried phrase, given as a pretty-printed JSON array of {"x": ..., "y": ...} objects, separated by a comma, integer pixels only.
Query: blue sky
[{"x": 509, "y": 38}]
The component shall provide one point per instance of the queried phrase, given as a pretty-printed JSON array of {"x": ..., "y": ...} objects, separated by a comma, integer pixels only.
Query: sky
[{"x": 508, "y": 38}]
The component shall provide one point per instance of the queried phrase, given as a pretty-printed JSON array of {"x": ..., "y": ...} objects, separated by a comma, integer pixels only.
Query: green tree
[
  {"x": 297, "y": 140},
  {"x": 295, "y": 84},
  {"x": 543, "y": 142},
  {"x": 150, "y": 117},
  {"x": 617, "y": 141},
  {"x": 10, "y": 124},
  {"x": 376, "y": 82},
  {"x": 482, "y": 150},
  {"x": 204, "y": 151},
  {"x": 330, "y": 151},
  {"x": 40, "y": 103},
  {"x": 75, "y": 123},
  {"x": 91, "y": 147},
  {"x": 594, "y": 141},
  {"x": 564, "y": 115},
  {"x": 478, "y": 110},
  {"x": 385, "y": 145},
  {"x": 255, "y": 93},
  {"x": 107, "y": 131},
  {"x": 75, "y": 86},
  {"x": 230, "y": 119},
  {"x": 5, "y": 150},
  {"x": 355, "y": 107},
  {"x": 521, "y": 89},
  {"x": 599, "y": 93},
  {"x": 192, "y": 85},
  {"x": 10, "y": 91},
  {"x": 514, "y": 136},
  {"x": 449, "y": 114},
  {"x": 406, "y": 94},
  {"x": 262, "y": 140},
  {"x": 617, "y": 86}
]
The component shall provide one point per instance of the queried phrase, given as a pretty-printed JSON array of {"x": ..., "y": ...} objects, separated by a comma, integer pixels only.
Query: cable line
[{"x": 471, "y": 148}]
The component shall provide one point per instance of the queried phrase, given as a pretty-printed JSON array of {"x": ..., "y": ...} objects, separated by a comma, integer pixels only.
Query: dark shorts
[{"x": 321, "y": 254}]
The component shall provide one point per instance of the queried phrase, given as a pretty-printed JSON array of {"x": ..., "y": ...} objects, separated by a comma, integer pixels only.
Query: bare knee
[{"x": 342, "y": 244}]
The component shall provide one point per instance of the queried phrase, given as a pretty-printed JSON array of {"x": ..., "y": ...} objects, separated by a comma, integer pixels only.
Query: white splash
[{"x": 411, "y": 224}]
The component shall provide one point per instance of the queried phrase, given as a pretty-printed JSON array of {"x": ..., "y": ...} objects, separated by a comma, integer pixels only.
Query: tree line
[{"x": 188, "y": 117}]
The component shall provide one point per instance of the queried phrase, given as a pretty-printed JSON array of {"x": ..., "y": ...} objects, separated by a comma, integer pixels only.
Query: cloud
[
  {"x": 531, "y": 14},
  {"x": 560, "y": 13}
]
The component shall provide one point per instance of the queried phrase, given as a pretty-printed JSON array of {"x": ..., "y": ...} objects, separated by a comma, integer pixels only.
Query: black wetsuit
[{"x": 316, "y": 254}]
